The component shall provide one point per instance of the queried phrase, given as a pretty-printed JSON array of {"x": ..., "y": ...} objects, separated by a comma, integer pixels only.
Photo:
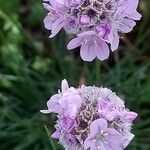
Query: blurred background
[{"x": 32, "y": 67}]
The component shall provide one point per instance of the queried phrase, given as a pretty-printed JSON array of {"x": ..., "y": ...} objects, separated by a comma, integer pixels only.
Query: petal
[
  {"x": 58, "y": 7},
  {"x": 102, "y": 146},
  {"x": 87, "y": 51},
  {"x": 71, "y": 110},
  {"x": 128, "y": 137},
  {"x": 102, "y": 50},
  {"x": 66, "y": 123},
  {"x": 115, "y": 43},
  {"x": 53, "y": 105},
  {"x": 97, "y": 125},
  {"x": 128, "y": 9},
  {"x": 126, "y": 25},
  {"x": 70, "y": 102},
  {"x": 47, "y": 7},
  {"x": 74, "y": 43},
  {"x": 112, "y": 146},
  {"x": 73, "y": 107},
  {"x": 135, "y": 16},
  {"x": 48, "y": 23},
  {"x": 87, "y": 33},
  {"x": 111, "y": 115},
  {"x": 131, "y": 9},
  {"x": 93, "y": 146},
  {"x": 87, "y": 143},
  {"x": 114, "y": 136},
  {"x": 114, "y": 39},
  {"x": 64, "y": 86},
  {"x": 61, "y": 1},
  {"x": 57, "y": 26},
  {"x": 56, "y": 135},
  {"x": 45, "y": 111},
  {"x": 130, "y": 116}
]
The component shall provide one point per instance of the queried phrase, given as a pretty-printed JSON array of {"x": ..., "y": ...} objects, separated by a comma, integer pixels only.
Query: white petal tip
[{"x": 45, "y": 111}]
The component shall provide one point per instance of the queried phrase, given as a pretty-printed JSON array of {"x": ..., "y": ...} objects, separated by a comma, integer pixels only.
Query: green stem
[
  {"x": 98, "y": 71},
  {"x": 51, "y": 141}
]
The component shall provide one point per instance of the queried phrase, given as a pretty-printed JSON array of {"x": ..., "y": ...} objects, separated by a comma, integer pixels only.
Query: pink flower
[
  {"x": 67, "y": 102},
  {"x": 90, "y": 118},
  {"x": 91, "y": 46},
  {"x": 102, "y": 137},
  {"x": 106, "y": 19}
]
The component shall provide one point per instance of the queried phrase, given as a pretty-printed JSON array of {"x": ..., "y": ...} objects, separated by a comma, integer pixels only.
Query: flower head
[
  {"x": 96, "y": 23},
  {"x": 90, "y": 118}
]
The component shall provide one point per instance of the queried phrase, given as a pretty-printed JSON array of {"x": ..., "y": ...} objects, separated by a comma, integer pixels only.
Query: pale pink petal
[
  {"x": 115, "y": 43},
  {"x": 114, "y": 39},
  {"x": 45, "y": 111},
  {"x": 93, "y": 146},
  {"x": 130, "y": 116},
  {"x": 131, "y": 9},
  {"x": 87, "y": 143},
  {"x": 48, "y": 23},
  {"x": 57, "y": 26},
  {"x": 87, "y": 33},
  {"x": 102, "y": 146},
  {"x": 127, "y": 139},
  {"x": 58, "y": 7},
  {"x": 126, "y": 25},
  {"x": 64, "y": 86},
  {"x": 53, "y": 105},
  {"x": 111, "y": 115},
  {"x": 114, "y": 136},
  {"x": 87, "y": 51},
  {"x": 60, "y": 1},
  {"x": 102, "y": 50},
  {"x": 112, "y": 146},
  {"x": 56, "y": 135},
  {"x": 47, "y": 7},
  {"x": 96, "y": 126},
  {"x": 74, "y": 43}
]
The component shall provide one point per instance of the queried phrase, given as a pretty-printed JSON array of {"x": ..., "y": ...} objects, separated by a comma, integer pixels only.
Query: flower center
[
  {"x": 101, "y": 136},
  {"x": 94, "y": 11}
]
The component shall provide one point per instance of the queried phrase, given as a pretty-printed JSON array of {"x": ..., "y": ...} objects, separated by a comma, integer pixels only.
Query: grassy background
[{"x": 32, "y": 66}]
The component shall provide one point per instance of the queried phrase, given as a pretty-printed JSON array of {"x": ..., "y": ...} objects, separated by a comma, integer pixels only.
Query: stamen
[{"x": 102, "y": 131}]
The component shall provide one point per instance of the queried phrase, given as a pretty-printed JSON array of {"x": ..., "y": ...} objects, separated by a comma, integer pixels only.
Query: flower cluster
[
  {"x": 90, "y": 118},
  {"x": 96, "y": 23}
]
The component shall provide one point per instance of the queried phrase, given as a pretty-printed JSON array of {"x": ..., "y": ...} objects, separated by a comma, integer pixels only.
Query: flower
[
  {"x": 103, "y": 138},
  {"x": 90, "y": 118},
  {"x": 91, "y": 46},
  {"x": 67, "y": 102},
  {"x": 95, "y": 23}
]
